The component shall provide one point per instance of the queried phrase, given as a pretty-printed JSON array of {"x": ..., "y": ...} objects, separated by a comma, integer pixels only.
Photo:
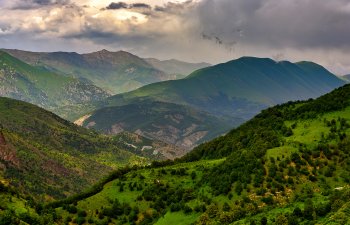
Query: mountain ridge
[
  {"x": 219, "y": 82},
  {"x": 115, "y": 72}
]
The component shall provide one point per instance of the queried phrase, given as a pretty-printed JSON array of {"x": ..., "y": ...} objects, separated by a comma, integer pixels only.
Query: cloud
[
  {"x": 118, "y": 5},
  {"x": 34, "y": 4},
  {"x": 123, "y": 5},
  {"x": 278, "y": 23},
  {"x": 140, "y": 5},
  {"x": 197, "y": 30}
]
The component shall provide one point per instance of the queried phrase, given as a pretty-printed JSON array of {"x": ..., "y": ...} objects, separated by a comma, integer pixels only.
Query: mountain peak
[
  {"x": 252, "y": 58},
  {"x": 104, "y": 50},
  {"x": 105, "y": 54}
]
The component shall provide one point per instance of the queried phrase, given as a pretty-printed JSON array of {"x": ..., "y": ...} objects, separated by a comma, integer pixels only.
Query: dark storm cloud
[
  {"x": 123, "y": 5},
  {"x": 32, "y": 4},
  {"x": 277, "y": 23},
  {"x": 49, "y": 2},
  {"x": 172, "y": 7},
  {"x": 117, "y": 5},
  {"x": 140, "y": 5}
]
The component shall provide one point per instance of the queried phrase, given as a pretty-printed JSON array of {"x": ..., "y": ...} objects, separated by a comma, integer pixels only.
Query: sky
[{"x": 211, "y": 31}]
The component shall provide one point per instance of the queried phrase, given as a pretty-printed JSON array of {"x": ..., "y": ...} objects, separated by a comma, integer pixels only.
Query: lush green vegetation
[
  {"x": 48, "y": 157},
  {"x": 288, "y": 165}
]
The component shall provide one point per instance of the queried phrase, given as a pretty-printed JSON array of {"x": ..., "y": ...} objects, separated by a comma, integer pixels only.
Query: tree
[
  {"x": 281, "y": 220},
  {"x": 212, "y": 210},
  {"x": 309, "y": 209},
  {"x": 263, "y": 221},
  {"x": 226, "y": 207},
  {"x": 297, "y": 212}
]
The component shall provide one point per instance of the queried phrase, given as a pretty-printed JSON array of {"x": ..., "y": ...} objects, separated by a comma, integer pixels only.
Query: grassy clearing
[{"x": 177, "y": 218}]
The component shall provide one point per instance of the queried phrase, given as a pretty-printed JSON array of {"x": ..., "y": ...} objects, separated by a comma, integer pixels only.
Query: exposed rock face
[
  {"x": 151, "y": 147},
  {"x": 81, "y": 120},
  {"x": 184, "y": 138}
]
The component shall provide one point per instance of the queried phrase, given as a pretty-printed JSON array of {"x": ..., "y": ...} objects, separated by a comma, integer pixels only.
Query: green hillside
[
  {"x": 42, "y": 87},
  {"x": 288, "y": 165},
  {"x": 179, "y": 125},
  {"x": 115, "y": 72},
  {"x": 48, "y": 157}
]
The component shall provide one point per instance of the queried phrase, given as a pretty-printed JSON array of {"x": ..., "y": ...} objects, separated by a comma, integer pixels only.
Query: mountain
[
  {"x": 115, "y": 72},
  {"x": 48, "y": 157},
  {"x": 175, "y": 67},
  {"x": 239, "y": 88},
  {"x": 179, "y": 125},
  {"x": 287, "y": 165},
  {"x": 227, "y": 94},
  {"x": 43, "y": 87}
]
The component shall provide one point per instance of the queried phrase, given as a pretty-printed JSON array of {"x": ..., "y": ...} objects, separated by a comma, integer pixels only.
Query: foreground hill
[
  {"x": 115, "y": 72},
  {"x": 46, "y": 156},
  {"x": 179, "y": 125},
  {"x": 43, "y": 87},
  {"x": 288, "y": 165}
]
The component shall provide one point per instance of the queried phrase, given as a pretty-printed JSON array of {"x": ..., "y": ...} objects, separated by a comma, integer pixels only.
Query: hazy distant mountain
[
  {"x": 346, "y": 77},
  {"x": 43, "y": 87},
  {"x": 175, "y": 67},
  {"x": 115, "y": 72}
]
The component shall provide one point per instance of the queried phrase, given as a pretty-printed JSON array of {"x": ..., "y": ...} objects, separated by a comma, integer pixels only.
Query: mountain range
[
  {"x": 183, "y": 112},
  {"x": 114, "y": 72},
  {"x": 231, "y": 92}
]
